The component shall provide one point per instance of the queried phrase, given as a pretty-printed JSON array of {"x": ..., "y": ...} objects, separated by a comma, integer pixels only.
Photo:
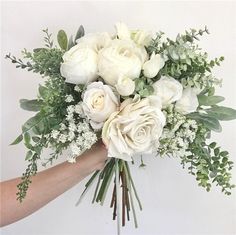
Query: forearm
[{"x": 46, "y": 186}]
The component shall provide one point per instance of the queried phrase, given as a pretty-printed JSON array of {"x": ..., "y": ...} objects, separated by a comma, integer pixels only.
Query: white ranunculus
[
  {"x": 168, "y": 89},
  {"x": 135, "y": 129},
  {"x": 122, "y": 31},
  {"x": 141, "y": 37},
  {"x": 153, "y": 66},
  {"x": 122, "y": 57},
  {"x": 125, "y": 86},
  {"x": 99, "y": 102},
  {"x": 95, "y": 41},
  {"x": 79, "y": 65},
  {"x": 188, "y": 103}
]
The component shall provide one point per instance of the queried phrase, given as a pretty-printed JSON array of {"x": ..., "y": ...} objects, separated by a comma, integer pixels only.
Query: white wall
[{"x": 173, "y": 203}]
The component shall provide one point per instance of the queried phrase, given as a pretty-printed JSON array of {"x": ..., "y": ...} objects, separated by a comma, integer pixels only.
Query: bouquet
[{"x": 137, "y": 92}]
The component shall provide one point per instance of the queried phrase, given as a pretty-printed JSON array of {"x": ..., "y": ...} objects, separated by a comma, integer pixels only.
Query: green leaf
[
  {"x": 31, "y": 105},
  {"x": 35, "y": 139},
  {"x": 209, "y": 100},
  {"x": 222, "y": 113},
  {"x": 209, "y": 122},
  {"x": 29, "y": 155},
  {"x": 62, "y": 40},
  {"x": 71, "y": 42},
  {"x": 43, "y": 91},
  {"x": 17, "y": 140},
  {"x": 32, "y": 122},
  {"x": 80, "y": 32},
  {"x": 36, "y": 50},
  {"x": 27, "y": 138}
]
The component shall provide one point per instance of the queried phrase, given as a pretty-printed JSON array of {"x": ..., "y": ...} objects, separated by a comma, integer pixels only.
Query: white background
[{"x": 172, "y": 201}]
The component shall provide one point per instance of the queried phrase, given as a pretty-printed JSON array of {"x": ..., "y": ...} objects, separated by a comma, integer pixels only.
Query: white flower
[
  {"x": 79, "y": 65},
  {"x": 69, "y": 98},
  {"x": 168, "y": 89},
  {"x": 122, "y": 31},
  {"x": 125, "y": 86},
  {"x": 79, "y": 109},
  {"x": 62, "y": 138},
  {"x": 120, "y": 58},
  {"x": 135, "y": 129},
  {"x": 153, "y": 66},
  {"x": 55, "y": 134},
  {"x": 99, "y": 102},
  {"x": 77, "y": 88},
  {"x": 95, "y": 41},
  {"x": 141, "y": 37},
  {"x": 188, "y": 103}
]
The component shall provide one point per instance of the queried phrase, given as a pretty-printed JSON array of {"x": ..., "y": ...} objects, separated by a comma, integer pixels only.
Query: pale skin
[{"x": 48, "y": 184}]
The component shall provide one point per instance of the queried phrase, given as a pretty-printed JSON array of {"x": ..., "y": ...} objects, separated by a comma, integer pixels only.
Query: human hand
[{"x": 96, "y": 156}]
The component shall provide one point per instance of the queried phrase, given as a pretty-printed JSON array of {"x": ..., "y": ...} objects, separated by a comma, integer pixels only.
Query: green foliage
[
  {"x": 221, "y": 113},
  {"x": 184, "y": 59},
  {"x": 143, "y": 87},
  {"x": 47, "y": 39},
  {"x": 79, "y": 34},
  {"x": 31, "y": 105},
  {"x": 209, "y": 100},
  {"x": 209, "y": 163},
  {"x": 211, "y": 123},
  {"x": 62, "y": 40},
  {"x": 17, "y": 140}
]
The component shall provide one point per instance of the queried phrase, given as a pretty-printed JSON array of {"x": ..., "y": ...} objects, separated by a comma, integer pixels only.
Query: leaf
[
  {"x": 209, "y": 100},
  {"x": 222, "y": 113},
  {"x": 62, "y": 40},
  {"x": 17, "y": 140},
  {"x": 35, "y": 139},
  {"x": 36, "y": 50},
  {"x": 209, "y": 122},
  {"x": 70, "y": 43},
  {"x": 32, "y": 122},
  {"x": 80, "y": 33},
  {"x": 31, "y": 105},
  {"x": 27, "y": 138},
  {"x": 29, "y": 155},
  {"x": 43, "y": 91}
]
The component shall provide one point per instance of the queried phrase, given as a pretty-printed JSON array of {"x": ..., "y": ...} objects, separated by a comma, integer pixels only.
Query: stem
[
  {"x": 133, "y": 186},
  {"x": 117, "y": 171},
  {"x": 131, "y": 196}
]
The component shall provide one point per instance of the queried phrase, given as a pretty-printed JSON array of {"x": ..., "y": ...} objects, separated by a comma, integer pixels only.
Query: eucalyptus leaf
[
  {"x": 27, "y": 138},
  {"x": 222, "y": 113},
  {"x": 29, "y": 155},
  {"x": 80, "y": 32},
  {"x": 209, "y": 100},
  {"x": 17, "y": 140},
  {"x": 31, "y": 105},
  {"x": 62, "y": 40}
]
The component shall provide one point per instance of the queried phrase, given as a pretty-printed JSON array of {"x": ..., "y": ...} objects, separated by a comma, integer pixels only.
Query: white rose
[
  {"x": 95, "y": 41},
  {"x": 168, "y": 89},
  {"x": 135, "y": 129},
  {"x": 99, "y": 102},
  {"x": 79, "y": 65},
  {"x": 141, "y": 37},
  {"x": 188, "y": 103},
  {"x": 125, "y": 86},
  {"x": 122, "y": 31},
  {"x": 120, "y": 58},
  {"x": 153, "y": 66}
]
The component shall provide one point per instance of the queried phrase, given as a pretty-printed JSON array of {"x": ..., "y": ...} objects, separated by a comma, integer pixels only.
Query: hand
[{"x": 96, "y": 156}]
